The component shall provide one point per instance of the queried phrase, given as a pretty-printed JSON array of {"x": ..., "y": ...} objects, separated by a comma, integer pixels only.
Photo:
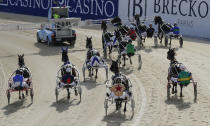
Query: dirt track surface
[{"x": 152, "y": 106}]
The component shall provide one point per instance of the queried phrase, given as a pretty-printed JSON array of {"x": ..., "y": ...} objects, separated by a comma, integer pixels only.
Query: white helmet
[
  {"x": 68, "y": 70},
  {"x": 68, "y": 67},
  {"x": 94, "y": 52},
  {"x": 182, "y": 67}
]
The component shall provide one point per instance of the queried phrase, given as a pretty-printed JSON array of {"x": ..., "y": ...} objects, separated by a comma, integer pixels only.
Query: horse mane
[
  {"x": 21, "y": 60},
  {"x": 158, "y": 20},
  {"x": 114, "y": 67},
  {"x": 65, "y": 57},
  {"x": 171, "y": 54},
  {"x": 89, "y": 44},
  {"x": 103, "y": 25}
]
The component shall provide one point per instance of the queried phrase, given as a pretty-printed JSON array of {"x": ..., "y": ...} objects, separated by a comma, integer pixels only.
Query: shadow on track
[
  {"x": 116, "y": 118},
  {"x": 64, "y": 104},
  {"x": 90, "y": 84},
  {"x": 178, "y": 102},
  {"x": 46, "y": 50},
  {"x": 14, "y": 107}
]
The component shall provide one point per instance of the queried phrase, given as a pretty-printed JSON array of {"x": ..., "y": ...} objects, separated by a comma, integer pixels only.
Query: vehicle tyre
[
  {"x": 49, "y": 43},
  {"x": 37, "y": 37}
]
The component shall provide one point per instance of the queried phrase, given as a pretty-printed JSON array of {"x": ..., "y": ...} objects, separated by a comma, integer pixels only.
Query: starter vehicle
[{"x": 59, "y": 28}]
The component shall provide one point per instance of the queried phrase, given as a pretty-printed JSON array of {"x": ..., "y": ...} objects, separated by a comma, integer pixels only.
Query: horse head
[
  {"x": 89, "y": 42},
  {"x": 171, "y": 54},
  {"x": 21, "y": 62},
  {"x": 103, "y": 25},
  {"x": 114, "y": 67},
  {"x": 65, "y": 57},
  {"x": 158, "y": 20},
  {"x": 116, "y": 20}
]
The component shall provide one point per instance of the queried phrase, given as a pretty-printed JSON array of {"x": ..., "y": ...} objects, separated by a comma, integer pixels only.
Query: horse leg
[
  {"x": 96, "y": 74},
  {"x": 92, "y": 71},
  {"x": 117, "y": 105},
  {"x": 68, "y": 96},
  {"x": 110, "y": 49},
  {"x": 19, "y": 95},
  {"x": 125, "y": 108},
  {"x": 181, "y": 91},
  {"x": 130, "y": 60},
  {"x": 173, "y": 88},
  {"x": 175, "y": 91},
  {"x": 89, "y": 72},
  {"x": 23, "y": 96}
]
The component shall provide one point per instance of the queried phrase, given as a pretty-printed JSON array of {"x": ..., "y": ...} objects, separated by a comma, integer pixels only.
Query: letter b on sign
[{"x": 139, "y": 7}]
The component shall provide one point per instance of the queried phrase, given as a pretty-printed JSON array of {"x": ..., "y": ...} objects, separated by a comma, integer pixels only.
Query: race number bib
[{"x": 118, "y": 89}]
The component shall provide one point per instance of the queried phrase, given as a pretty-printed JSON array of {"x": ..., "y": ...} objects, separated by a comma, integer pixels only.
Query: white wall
[{"x": 197, "y": 25}]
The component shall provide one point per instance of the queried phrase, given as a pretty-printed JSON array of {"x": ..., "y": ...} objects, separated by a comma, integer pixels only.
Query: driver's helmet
[
  {"x": 182, "y": 67},
  {"x": 68, "y": 68},
  {"x": 118, "y": 80},
  {"x": 94, "y": 52},
  {"x": 132, "y": 27},
  {"x": 19, "y": 71},
  {"x": 175, "y": 24},
  {"x": 150, "y": 25}
]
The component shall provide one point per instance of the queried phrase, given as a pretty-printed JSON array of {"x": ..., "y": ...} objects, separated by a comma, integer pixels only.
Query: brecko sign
[{"x": 192, "y": 16}]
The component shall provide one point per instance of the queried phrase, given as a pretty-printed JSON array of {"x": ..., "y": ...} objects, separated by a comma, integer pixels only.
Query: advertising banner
[
  {"x": 192, "y": 16},
  {"x": 86, "y": 9}
]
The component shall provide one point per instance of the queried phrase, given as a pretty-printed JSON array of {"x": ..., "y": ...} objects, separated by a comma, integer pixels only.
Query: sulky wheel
[
  {"x": 106, "y": 106},
  {"x": 132, "y": 105},
  {"x": 140, "y": 62},
  {"x": 56, "y": 94},
  {"x": 195, "y": 92},
  {"x": 32, "y": 95},
  {"x": 181, "y": 42},
  {"x": 168, "y": 91},
  {"x": 80, "y": 92},
  {"x": 8, "y": 96}
]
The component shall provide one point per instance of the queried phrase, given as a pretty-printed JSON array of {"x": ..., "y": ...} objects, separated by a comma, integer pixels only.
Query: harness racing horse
[
  {"x": 163, "y": 29},
  {"x": 65, "y": 60},
  {"x": 178, "y": 74},
  {"x": 107, "y": 39},
  {"x": 93, "y": 61},
  {"x": 120, "y": 90},
  {"x": 26, "y": 73},
  {"x": 20, "y": 80}
]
